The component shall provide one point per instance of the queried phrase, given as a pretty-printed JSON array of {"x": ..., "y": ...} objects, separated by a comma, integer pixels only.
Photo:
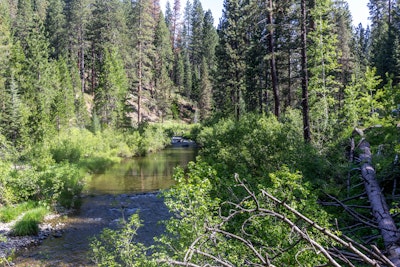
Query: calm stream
[{"x": 121, "y": 191}]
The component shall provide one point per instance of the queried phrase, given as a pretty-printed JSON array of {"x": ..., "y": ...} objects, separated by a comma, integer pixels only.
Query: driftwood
[{"x": 380, "y": 210}]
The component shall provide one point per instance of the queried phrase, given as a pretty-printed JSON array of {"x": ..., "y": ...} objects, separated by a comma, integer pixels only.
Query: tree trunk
[
  {"x": 380, "y": 210},
  {"x": 304, "y": 79},
  {"x": 271, "y": 47}
]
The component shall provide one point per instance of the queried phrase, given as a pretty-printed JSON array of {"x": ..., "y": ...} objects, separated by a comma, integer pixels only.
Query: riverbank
[
  {"x": 71, "y": 246},
  {"x": 10, "y": 244}
]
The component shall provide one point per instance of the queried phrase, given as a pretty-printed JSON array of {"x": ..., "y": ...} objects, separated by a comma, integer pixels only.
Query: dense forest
[{"x": 295, "y": 110}]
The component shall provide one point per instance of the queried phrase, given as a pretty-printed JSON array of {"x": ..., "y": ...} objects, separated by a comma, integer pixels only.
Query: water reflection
[{"x": 142, "y": 174}]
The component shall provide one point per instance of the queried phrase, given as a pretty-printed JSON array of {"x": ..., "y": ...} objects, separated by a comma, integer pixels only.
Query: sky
[{"x": 358, "y": 9}]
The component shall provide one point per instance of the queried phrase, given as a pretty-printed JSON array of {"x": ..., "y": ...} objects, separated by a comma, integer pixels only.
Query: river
[{"x": 126, "y": 188}]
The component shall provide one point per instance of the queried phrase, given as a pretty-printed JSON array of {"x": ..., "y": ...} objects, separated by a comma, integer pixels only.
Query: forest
[{"x": 295, "y": 110}]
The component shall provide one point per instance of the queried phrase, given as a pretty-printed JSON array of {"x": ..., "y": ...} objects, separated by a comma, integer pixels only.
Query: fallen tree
[{"x": 387, "y": 226}]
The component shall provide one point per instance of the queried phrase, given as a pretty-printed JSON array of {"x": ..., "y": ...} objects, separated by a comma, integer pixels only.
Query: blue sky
[{"x": 358, "y": 9}]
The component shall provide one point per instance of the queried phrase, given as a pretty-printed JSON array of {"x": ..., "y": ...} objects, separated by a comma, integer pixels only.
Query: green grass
[
  {"x": 9, "y": 213},
  {"x": 29, "y": 224}
]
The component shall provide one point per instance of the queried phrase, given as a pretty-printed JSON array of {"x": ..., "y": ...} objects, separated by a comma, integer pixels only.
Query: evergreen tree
[
  {"x": 5, "y": 48},
  {"x": 384, "y": 33},
  {"x": 163, "y": 65},
  {"x": 112, "y": 90},
  {"x": 10, "y": 102},
  {"x": 208, "y": 65},
  {"x": 205, "y": 100},
  {"x": 346, "y": 61},
  {"x": 168, "y": 16},
  {"x": 55, "y": 25},
  {"x": 106, "y": 29},
  {"x": 230, "y": 81},
  {"x": 63, "y": 109},
  {"x": 323, "y": 66},
  {"x": 143, "y": 40},
  {"x": 184, "y": 54},
  {"x": 38, "y": 92},
  {"x": 272, "y": 56},
  {"x": 78, "y": 14},
  {"x": 361, "y": 47},
  {"x": 23, "y": 22}
]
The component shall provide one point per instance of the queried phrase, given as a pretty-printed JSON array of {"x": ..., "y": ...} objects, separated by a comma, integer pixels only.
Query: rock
[{"x": 57, "y": 234}]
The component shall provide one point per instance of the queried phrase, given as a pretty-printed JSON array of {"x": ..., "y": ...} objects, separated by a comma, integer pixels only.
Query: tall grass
[
  {"x": 11, "y": 212},
  {"x": 29, "y": 224}
]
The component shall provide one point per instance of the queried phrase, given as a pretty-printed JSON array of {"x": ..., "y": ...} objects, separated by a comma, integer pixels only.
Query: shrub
[
  {"x": 19, "y": 185},
  {"x": 61, "y": 184},
  {"x": 66, "y": 151}
]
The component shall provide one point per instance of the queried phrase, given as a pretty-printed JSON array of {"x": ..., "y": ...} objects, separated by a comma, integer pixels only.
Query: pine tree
[
  {"x": 343, "y": 28},
  {"x": 143, "y": 40},
  {"x": 106, "y": 28},
  {"x": 5, "y": 48},
  {"x": 323, "y": 66},
  {"x": 208, "y": 65},
  {"x": 205, "y": 99},
  {"x": 38, "y": 92},
  {"x": 112, "y": 90},
  {"x": 163, "y": 65},
  {"x": 230, "y": 82},
  {"x": 362, "y": 47},
  {"x": 63, "y": 106},
  {"x": 196, "y": 47},
  {"x": 384, "y": 32},
  {"x": 9, "y": 97},
  {"x": 23, "y": 22},
  {"x": 78, "y": 13},
  {"x": 55, "y": 25}
]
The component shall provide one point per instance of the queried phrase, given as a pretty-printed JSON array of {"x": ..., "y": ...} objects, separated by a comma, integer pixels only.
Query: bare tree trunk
[
  {"x": 380, "y": 210},
  {"x": 304, "y": 83},
  {"x": 271, "y": 47}
]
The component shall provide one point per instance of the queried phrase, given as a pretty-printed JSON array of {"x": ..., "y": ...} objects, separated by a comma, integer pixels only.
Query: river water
[{"x": 126, "y": 188}]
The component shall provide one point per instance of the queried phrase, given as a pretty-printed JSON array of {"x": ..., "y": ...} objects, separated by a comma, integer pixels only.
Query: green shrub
[
  {"x": 61, "y": 184},
  {"x": 66, "y": 151},
  {"x": 19, "y": 186},
  {"x": 29, "y": 224}
]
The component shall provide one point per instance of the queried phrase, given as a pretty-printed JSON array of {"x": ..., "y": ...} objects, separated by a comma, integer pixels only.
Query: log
[{"x": 380, "y": 211}]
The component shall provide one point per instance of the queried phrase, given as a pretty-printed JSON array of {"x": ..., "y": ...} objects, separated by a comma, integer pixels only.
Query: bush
[
  {"x": 19, "y": 185},
  {"x": 29, "y": 224},
  {"x": 66, "y": 151},
  {"x": 61, "y": 184}
]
